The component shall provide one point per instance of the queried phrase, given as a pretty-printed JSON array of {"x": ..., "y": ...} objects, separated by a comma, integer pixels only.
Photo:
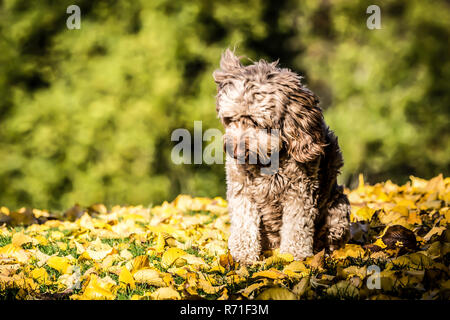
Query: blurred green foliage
[{"x": 86, "y": 115}]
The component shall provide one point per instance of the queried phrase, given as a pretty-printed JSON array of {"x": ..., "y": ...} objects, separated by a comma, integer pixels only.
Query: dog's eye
[{"x": 226, "y": 120}]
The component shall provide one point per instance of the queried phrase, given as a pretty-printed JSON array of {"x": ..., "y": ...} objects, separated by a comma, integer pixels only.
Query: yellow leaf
[
  {"x": 160, "y": 243},
  {"x": 226, "y": 261},
  {"x": 183, "y": 202},
  {"x": 246, "y": 292},
  {"x": 206, "y": 286},
  {"x": 12, "y": 251},
  {"x": 24, "y": 283},
  {"x": 433, "y": 231},
  {"x": 271, "y": 274},
  {"x": 182, "y": 272},
  {"x": 84, "y": 256},
  {"x": 445, "y": 284},
  {"x": 194, "y": 260},
  {"x": 224, "y": 295},
  {"x": 62, "y": 246},
  {"x": 108, "y": 261},
  {"x": 168, "y": 279},
  {"x": 392, "y": 218},
  {"x": 98, "y": 289},
  {"x": 126, "y": 278},
  {"x": 41, "y": 240},
  {"x": 242, "y": 271},
  {"x": 406, "y": 203},
  {"x": 235, "y": 279},
  {"x": 140, "y": 262},
  {"x": 60, "y": 263},
  {"x": 41, "y": 276},
  {"x": 301, "y": 287},
  {"x": 363, "y": 214},
  {"x": 170, "y": 256},
  {"x": 216, "y": 247},
  {"x": 217, "y": 268},
  {"x": 20, "y": 238},
  {"x": 199, "y": 203},
  {"x": 380, "y": 243},
  {"x": 351, "y": 271},
  {"x": 98, "y": 250},
  {"x": 419, "y": 185},
  {"x": 317, "y": 260},
  {"x": 8, "y": 269},
  {"x": 273, "y": 260},
  {"x": 403, "y": 210},
  {"x": 168, "y": 293},
  {"x": 150, "y": 277},
  {"x": 286, "y": 256},
  {"x": 56, "y": 235},
  {"x": 133, "y": 216},
  {"x": 127, "y": 255},
  {"x": 80, "y": 247},
  {"x": 414, "y": 218},
  {"x": 350, "y": 250},
  {"x": 416, "y": 261},
  {"x": 434, "y": 250},
  {"x": 276, "y": 294},
  {"x": 297, "y": 267},
  {"x": 8, "y": 249},
  {"x": 343, "y": 289},
  {"x": 70, "y": 281}
]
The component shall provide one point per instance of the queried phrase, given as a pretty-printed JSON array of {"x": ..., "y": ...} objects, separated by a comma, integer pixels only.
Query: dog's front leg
[
  {"x": 338, "y": 221},
  {"x": 244, "y": 241},
  {"x": 297, "y": 231}
]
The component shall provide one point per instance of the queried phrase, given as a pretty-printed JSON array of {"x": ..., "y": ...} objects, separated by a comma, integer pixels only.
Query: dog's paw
[
  {"x": 335, "y": 244},
  {"x": 244, "y": 254},
  {"x": 244, "y": 259}
]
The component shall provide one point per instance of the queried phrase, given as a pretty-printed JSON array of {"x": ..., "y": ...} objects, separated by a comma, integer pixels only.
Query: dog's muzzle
[{"x": 251, "y": 148}]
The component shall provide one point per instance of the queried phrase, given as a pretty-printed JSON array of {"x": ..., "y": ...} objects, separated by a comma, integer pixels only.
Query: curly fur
[{"x": 300, "y": 208}]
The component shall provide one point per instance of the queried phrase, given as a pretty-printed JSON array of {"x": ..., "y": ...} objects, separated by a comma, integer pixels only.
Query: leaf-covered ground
[{"x": 178, "y": 250}]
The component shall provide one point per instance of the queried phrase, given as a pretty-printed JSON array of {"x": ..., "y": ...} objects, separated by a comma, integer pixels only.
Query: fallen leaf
[
  {"x": 20, "y": 239},
  {"x": 150, "y": 277},
  {"x": 41, "y": 276},
  {"x": 98, "y": 289},
  {"x": 126, "y": 278},
  {"x": 343, "y": 289},
  {"x": 171, "y": 255},
  {"x": 168, "y": 293},
  {"x": 434, "y": 231},
  {"x": 271, "y": 274},
  {"x": 350, "y": 250},
  {"x": 276, "y": 294},
  {"x": 61, "y": 264}
]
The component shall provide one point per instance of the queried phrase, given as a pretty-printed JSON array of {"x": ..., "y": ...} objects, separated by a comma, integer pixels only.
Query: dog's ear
[
  {"x": 229, "y": 62},
  {"x": 302, "y": 128}
]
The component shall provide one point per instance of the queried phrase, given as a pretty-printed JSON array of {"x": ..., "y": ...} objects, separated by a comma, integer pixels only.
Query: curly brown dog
[{"x": 298, "y": 207}]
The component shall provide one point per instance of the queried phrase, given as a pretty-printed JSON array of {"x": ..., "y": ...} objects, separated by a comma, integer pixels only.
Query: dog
[{"x": 297, "y": 208}]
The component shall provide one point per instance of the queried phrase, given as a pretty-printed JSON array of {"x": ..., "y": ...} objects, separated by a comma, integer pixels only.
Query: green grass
[
  {"x": 126, "y": 294},
  {"x": 52, "y": 273},
  {"x": 5, "y": 240},
  {"x": 138, "y": 249}
]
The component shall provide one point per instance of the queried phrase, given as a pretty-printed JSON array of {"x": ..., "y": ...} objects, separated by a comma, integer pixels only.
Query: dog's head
[{"x": 255, "y": 101}]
